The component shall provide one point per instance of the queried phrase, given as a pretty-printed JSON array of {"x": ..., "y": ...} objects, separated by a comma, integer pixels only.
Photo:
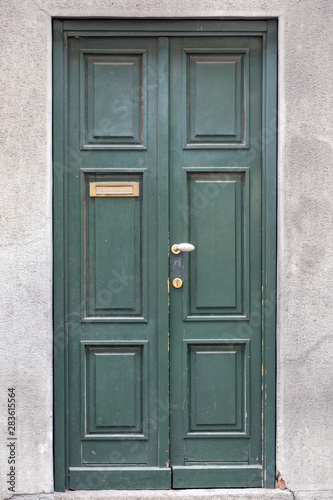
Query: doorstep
[{"x": 212, "y": 494}]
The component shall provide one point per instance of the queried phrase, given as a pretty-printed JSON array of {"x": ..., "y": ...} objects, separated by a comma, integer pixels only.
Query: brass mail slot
[{"x": 119, "y": 189}]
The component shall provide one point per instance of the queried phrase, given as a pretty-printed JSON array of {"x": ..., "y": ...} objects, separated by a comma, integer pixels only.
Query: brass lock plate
[{"x": 177, "y": 283}]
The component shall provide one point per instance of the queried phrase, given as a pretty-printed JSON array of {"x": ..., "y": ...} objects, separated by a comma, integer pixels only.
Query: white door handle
[{"x": 182, "y": 247}]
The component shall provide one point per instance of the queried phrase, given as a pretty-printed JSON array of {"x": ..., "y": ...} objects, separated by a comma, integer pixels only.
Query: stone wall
[{"x": 305, "y": 236}]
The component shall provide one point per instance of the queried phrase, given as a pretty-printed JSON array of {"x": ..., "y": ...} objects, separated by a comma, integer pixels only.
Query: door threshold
[{"x": 193, "y": 494}]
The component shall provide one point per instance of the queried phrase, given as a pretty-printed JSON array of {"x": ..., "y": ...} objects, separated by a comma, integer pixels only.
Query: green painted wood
[
  {"x": 211, "y": 451},
  {"x": 215, "y": 211},
  {"x": 112, "y": 244},
  {"x": 214, "y": 229},
  {"x": 116, "y": 107},
  {"x": 229, "y": 476},
  {"x": 113, "y": 259},
  {"x": 114, "y": 286},
  {"x": 116, "y": 402},
  {"x": 116, "y": 373},
  {"x": 120, "y": 452},
  {"x": 119, "y": 478},
  {"x": 217, "y": 119},
  {"x": 173, "y": 27},
  {"x": 236, "y": 384},
  {"x": 220, "y": 75},
  {"x": 60, "y": 444},
  {"x": 213, "y": 388},
  {"x": 113, "y": 99},
  {"x": 216, "y": 208},
  {"x": 163, "y": 394},
  {"x": 216, "y": 116},
  {"x": 138, "y": 106},
  {"x": 269, "y": 255}
]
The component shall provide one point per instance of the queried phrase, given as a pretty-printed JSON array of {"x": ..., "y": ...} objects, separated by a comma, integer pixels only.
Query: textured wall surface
[{"x": 305, "y": 214}]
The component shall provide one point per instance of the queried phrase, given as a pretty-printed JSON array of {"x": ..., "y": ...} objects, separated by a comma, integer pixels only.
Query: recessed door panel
[
  {"x": 216, "y": 118},
  {"x": 115, "y": 401},
  {"x": 216, "y": 226},
  {"x": 218, "y": 388},
  {"x": 113, "y": 244},
  {"x": 113, "y": 98}
]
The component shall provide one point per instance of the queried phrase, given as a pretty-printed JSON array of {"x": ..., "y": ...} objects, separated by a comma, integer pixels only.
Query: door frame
[{"x": 267, "y": 29}]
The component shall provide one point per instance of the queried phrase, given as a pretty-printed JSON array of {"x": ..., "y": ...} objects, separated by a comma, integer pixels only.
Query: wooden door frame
[{"x": 267, "y": 29}]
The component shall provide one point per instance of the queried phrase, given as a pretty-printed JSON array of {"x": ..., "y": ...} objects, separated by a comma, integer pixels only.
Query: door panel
[
  {"x": 118, "y": 373},
  {"x": 164, "y": 385},
  {"x": 214, "y": 119},
  {"x": 216, "y": 388},
  {"x": 118, "y": 121},
  {"x": 114, "y": 279},
  {"x": 113, "y": 339},
  {"x": 215, "y": 345},
  {"x": 216, "y": 209}
]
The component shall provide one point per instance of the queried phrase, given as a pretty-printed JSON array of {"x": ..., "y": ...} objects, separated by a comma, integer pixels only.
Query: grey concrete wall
[{"x": 305, "y": 213}]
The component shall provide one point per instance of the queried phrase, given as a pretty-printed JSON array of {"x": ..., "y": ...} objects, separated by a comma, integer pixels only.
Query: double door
[{"x": 166, "y": 383}]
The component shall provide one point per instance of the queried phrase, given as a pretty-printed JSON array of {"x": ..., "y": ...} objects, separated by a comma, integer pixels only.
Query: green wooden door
[
  {"x": 164, "y": 386},
  {"x": 215, "y": 200}
]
